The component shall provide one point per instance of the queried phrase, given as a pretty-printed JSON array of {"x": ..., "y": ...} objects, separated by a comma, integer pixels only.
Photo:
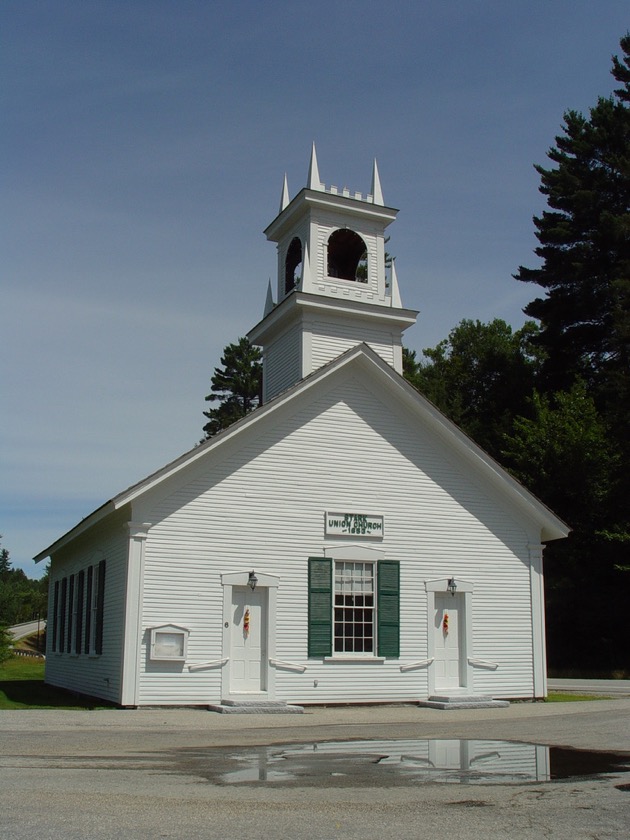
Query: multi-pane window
[{"x": 354, "y": 607}]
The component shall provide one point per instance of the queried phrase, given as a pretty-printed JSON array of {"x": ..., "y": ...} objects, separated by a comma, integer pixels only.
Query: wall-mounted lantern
[
  {"x": 451, "y": 586},
  {"x": 252, "y": 580}
]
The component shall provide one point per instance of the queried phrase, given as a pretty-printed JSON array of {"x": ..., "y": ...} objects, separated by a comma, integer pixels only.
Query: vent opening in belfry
[
  {"x": 347, "y": 256},
  {"x": 293, "y": 266}
]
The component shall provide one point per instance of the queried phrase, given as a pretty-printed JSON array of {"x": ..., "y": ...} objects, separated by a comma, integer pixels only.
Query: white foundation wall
[{"x": 261, "y": 504}]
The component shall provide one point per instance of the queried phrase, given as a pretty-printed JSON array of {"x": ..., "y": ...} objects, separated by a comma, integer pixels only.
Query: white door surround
[
  {"x": 249, "y": 636},
  {"x": 449, "y": 637}
]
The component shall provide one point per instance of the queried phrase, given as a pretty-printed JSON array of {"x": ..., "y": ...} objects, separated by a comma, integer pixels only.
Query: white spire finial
[
  {"x": 395, "y": 291},
  {"x": 269, "y": 304},
  {"x": 313, "y": 172},
  {"x": 306, "y": 271},
  {"x": 377, "y": 192},
  {"x": 284, "y": 200}
]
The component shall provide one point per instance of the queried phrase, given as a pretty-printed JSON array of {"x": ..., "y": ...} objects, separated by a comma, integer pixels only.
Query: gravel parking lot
[{"x": 156, "y": 773}]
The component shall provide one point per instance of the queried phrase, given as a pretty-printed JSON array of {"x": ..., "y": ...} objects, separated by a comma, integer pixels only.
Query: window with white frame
[{"x": 354, "y": 625}]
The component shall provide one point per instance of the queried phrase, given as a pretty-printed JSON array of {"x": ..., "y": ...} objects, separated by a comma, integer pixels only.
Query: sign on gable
[{"x": 353, "y": 524}]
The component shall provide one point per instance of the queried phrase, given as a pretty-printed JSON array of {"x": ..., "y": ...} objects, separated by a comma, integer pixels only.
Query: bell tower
[{"x": 332, "y": 289}]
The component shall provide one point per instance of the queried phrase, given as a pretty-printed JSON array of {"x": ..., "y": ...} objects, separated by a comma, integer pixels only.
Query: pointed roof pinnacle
[
  {"x": 306, "y": 270},
  {"x": 284, "y": 200},
  {"x": 313, "y": 182},
  {"x": 377, "y": 192},
  {"x": 269, "y": 304},
  {"x": 395, "y": 291}
]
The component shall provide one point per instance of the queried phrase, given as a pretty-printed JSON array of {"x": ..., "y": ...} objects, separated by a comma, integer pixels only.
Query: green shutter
[
  {"x": 319, "y": 606},
  {"x": 388, "y": 608}
]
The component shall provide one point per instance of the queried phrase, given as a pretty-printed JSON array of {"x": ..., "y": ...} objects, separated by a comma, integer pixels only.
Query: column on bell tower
[{"x": 332, "y": 291}]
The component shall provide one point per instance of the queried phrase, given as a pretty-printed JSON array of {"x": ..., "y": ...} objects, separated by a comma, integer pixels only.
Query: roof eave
[{"x": 84, "y": 525}]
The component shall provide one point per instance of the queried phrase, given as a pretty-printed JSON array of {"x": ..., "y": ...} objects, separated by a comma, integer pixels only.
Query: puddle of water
[{"x": 403, "y": 763}]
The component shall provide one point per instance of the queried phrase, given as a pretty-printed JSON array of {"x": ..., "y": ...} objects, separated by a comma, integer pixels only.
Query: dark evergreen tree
[
  {"x": 237, "y": 385},
  {"x": 21, "y": 598},
  {"x": 5, "y": 563},
  {"x": 6, "y": 644},
  {"x": 585, "y": 248},
  {"x": 481, "y": 377},
  {"x": 563, "y": 453},
  {"x": 576, "y": 453}
]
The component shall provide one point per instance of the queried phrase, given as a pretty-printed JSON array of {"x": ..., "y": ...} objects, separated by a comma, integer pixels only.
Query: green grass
[
  {"x": 570, "y": 697},
  {"x": 22, "y": 687}
]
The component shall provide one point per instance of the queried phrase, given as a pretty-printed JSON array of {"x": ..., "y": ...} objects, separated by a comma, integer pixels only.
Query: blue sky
[{"x": 144, "y": 146}]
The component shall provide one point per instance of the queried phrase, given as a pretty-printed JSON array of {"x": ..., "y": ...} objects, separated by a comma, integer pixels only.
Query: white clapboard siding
[
  {"x": 97, "y": 676},
  {"x": 330, "y": 340},
  {"x": 262, "y": 504},
  {"x": 282, "y": 362}
]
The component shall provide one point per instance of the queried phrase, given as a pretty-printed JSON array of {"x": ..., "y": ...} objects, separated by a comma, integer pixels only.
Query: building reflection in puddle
[{"x": 415, "y": 761}]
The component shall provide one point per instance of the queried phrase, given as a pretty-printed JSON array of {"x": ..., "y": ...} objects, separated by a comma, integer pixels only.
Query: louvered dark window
[
  {"x": 71, "y": 615},
  {"x": 100, "y": 609},
  {"x": 88, "y": 610},
  {"x": 55, "y": 617},
  {"x": 63, "y": 606},
  {"x": 78, "y": 634}
]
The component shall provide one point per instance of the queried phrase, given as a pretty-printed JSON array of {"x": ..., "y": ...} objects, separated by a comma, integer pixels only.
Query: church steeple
[{"x": 332, "y": 288}]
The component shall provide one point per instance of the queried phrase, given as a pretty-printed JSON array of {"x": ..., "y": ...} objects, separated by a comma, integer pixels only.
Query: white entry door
[
  {"x": 248, "y": 647},
  {"x": 448, "y": 642}
]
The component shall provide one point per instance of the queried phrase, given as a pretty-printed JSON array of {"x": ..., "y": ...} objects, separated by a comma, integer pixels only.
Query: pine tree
[
  {"x": 237, "y": 385},
  {"x": 585, "y": 247},
  {"x": 576, "y": 454}
]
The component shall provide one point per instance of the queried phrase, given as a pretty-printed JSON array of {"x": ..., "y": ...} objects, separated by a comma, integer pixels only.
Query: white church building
[{"x": 343, "y": 543}]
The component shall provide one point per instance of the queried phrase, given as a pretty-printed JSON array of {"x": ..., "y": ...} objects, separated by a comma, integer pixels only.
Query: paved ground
[
  {"x": 19, "y": 631},
  {"x": 153, "y": 774},
  {"x": 613, "y": 688}
]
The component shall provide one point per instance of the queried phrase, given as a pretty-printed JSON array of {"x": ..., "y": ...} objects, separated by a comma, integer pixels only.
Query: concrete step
[
  {"x": 255, "y": 707},
  {"x": 462, "y": 701}
]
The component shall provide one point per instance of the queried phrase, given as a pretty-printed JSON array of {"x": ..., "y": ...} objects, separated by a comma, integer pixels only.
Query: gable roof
[{"x": 362, "y": 357}]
